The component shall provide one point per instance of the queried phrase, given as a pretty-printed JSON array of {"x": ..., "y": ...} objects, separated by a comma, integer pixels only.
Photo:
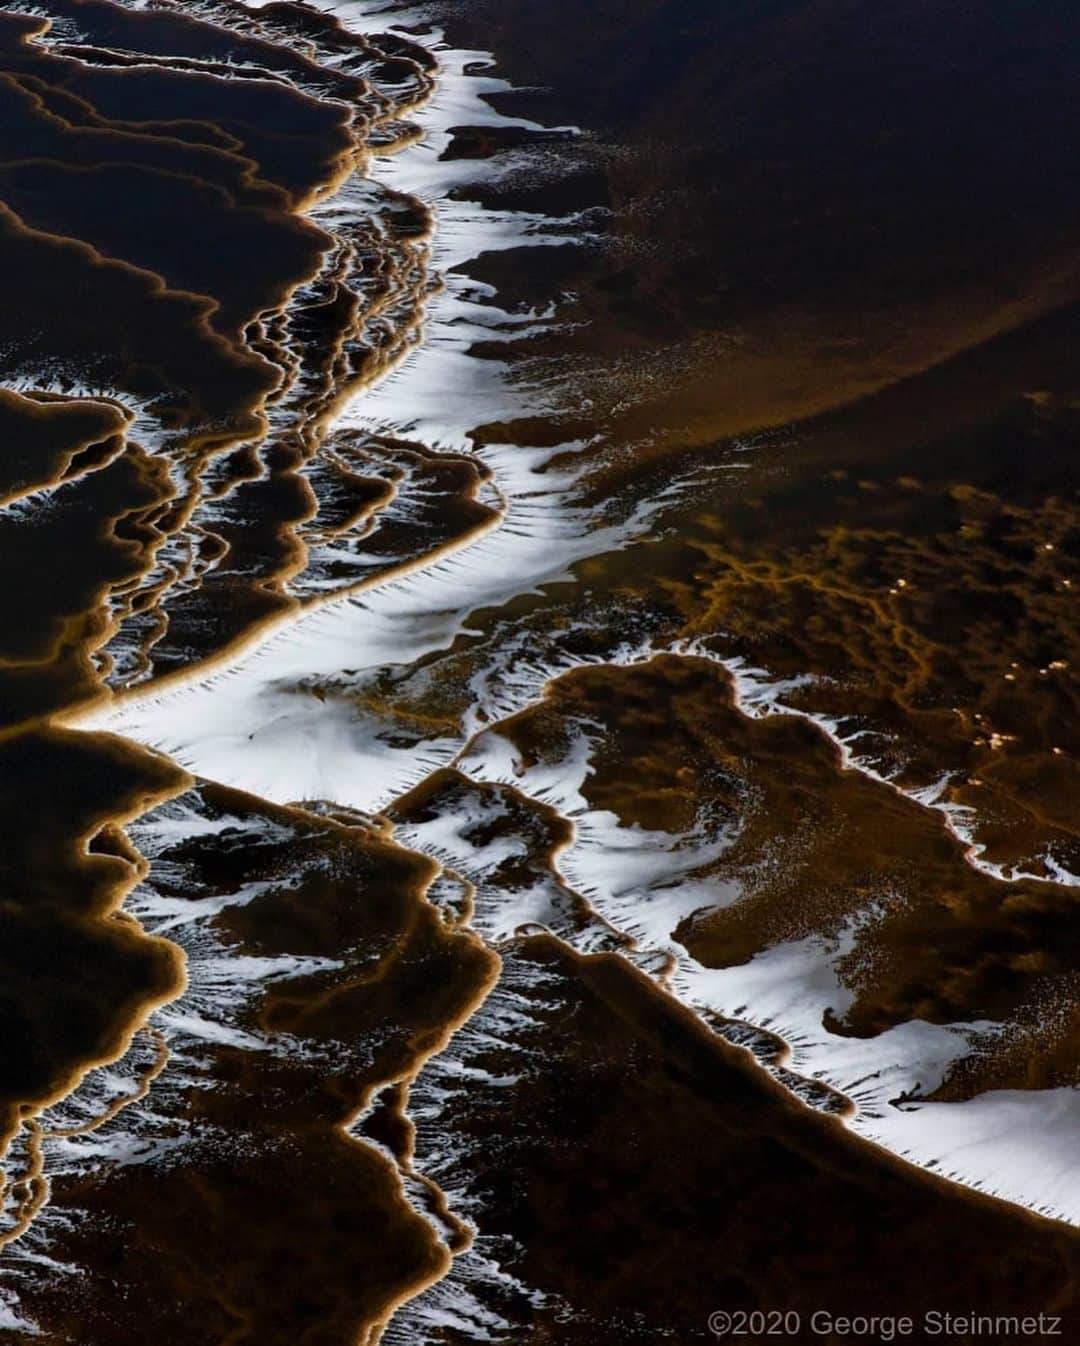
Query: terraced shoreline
[{"x": 481, "y": 840}]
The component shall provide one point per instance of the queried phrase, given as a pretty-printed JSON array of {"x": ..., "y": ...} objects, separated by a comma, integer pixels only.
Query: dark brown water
[{"x": 538, "y": 718}]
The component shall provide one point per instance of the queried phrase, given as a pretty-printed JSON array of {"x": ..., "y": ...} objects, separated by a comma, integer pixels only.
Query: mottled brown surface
[
  {"x": 271, "y": 1224},
  {"x": 835, "y": 245},
  {"x": 672, "y": 1179},
  {"x": 817, "y": 845}
]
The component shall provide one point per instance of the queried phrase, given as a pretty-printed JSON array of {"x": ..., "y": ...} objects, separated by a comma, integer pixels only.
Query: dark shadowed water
[{"x": 538, "y": 716}]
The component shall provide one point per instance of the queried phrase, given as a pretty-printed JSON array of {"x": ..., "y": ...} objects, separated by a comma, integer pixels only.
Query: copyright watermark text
[{"x": 934, "y": 1324}]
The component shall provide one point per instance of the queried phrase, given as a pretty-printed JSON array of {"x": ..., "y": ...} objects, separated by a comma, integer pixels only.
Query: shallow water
[{"x": 539, "y": 717}]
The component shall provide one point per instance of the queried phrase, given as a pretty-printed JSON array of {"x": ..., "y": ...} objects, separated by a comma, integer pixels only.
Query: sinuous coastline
[{"x": 503, "y": 727}]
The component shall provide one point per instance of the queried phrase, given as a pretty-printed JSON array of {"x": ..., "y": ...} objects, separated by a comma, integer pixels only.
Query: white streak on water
[{"x": 288, "y": 720}]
